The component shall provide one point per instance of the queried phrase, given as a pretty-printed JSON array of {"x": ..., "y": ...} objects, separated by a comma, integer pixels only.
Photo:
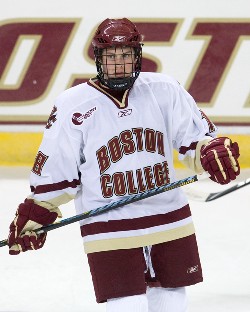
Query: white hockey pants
[{"x": 156, "y": 299}]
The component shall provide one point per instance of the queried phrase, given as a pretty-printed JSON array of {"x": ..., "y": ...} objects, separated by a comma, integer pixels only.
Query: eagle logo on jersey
[{"x": 52, "y": 118}]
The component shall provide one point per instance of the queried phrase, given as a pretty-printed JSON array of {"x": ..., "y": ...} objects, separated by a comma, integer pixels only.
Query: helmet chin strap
[{"x": 118, "y": 84}]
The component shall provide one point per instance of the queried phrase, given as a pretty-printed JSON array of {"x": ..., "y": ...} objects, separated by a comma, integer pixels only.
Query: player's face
[{"x": 118, "y": 62}]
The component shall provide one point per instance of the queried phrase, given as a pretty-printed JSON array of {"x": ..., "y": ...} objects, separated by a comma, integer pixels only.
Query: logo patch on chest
[
  {"x": 78, "y": 118},
  {"x": 125, "y": 112}
]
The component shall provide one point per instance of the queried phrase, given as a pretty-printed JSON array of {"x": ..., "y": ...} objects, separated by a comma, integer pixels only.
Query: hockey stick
[
  {"x": 206, "y": 197},
  {"x": 116, "y": 204}
]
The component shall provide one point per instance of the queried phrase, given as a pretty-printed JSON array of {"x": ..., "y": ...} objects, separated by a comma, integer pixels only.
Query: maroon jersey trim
[
  {"x": 119, "y": 104},
  {"x": 135, "y": 223},
  {"x": 184, "y": 149},
  {"x": 46, "y": 188}
]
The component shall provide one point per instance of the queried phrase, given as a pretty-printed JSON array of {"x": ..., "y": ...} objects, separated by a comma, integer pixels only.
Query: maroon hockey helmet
[
  {"x": 112, "y": 33},
  {"x": 116, "y": 32}
]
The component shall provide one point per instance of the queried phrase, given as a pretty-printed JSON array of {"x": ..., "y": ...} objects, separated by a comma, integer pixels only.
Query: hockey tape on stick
[
  {"x": 206, "y": 197},
  {"x": 116, "y": 204}
]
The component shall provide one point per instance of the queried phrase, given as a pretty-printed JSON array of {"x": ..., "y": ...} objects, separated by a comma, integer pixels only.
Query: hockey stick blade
[
  {"x": 113, "y": 205},
  {"x": 206, "y": 197}
]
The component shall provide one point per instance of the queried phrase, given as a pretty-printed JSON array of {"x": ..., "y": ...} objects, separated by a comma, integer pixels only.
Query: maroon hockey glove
[
  {"x": 29, "y": 216},
  {"x": 219, "y": 159}
]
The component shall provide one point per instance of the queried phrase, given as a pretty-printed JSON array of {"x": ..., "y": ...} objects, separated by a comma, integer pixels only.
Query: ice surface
[{"x": 57, "y": 278}]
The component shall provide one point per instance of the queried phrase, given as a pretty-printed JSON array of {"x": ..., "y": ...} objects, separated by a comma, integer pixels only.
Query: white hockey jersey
[{"x": 97, "y": 150}]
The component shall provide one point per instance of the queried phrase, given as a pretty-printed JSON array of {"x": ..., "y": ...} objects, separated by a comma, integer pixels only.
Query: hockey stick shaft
[
  {"x": 231, "y": 189},
  {"x": 114, "y": 205},
  {"x": 199, "y": 195}
]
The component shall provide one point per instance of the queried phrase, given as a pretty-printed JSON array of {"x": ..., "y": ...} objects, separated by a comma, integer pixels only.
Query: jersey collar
[{"x": 120, "y": 100}]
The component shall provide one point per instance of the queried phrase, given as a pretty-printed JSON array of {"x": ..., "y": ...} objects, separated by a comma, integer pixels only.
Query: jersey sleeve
[
  {"x": 55, "y": 177},
  {"x": 191, "y": 129}
]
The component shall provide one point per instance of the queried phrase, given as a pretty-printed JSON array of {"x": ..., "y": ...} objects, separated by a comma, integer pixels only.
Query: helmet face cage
[
  {"x": 124, "y": 69},
  {"x": 118, "y": 53}
]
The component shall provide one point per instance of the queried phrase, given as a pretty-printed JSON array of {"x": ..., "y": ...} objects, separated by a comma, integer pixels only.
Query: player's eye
[
  {"x": 126, "y": 55},
  {"x": 110, "y": 56}
]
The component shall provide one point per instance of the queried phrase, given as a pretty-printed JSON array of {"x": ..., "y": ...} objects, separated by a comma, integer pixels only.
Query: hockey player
[{"x": 112, "y": 137}]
